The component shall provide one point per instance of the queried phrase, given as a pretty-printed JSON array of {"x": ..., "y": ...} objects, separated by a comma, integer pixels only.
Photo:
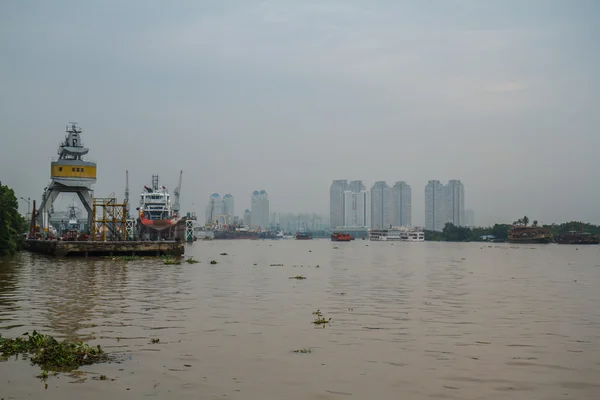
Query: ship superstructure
[
  {"x": 529, "y": 234},
  {"x": 156, "y": 212}
]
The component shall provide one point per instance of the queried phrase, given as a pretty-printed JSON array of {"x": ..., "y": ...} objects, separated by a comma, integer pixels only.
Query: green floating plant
[{"x": 51, "y": 354}]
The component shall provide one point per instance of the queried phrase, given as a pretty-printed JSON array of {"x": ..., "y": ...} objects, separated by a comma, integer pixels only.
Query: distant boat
[
  {"x": 574, "y": 237},
  {"x": 303, "y": 236},
  {"x": 529, "y": 234},
  {"x": 340, "y": 237},
  {"x": 397, "y": 234}
]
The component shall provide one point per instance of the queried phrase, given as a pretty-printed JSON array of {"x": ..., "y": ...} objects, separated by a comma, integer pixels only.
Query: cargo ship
[
  {"x": 155, "y": 213},
  {"x": 235, "y": 232},
  {"x": 235, "y": 235},
  {"x": 340, "y": 237},
  {"x": 529, "y": 234},
  {"x": 274, "y": 234}
]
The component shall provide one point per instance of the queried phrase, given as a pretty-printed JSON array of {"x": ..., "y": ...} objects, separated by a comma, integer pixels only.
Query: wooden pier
[{"x": 63, "y": 248}]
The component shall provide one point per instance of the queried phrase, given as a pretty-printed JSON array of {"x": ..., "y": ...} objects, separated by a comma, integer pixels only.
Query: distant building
[
  {"x": 259, "y": 209},
  {"x": 470, "y": 218},
  {"x": 247, "y": 220},
  {"x": 228, "y": 205},
  {"x": 294, "y": 222},
  {"x": 356, "y": 186},
  {"x": 381, "y": 200},
  {"x": 443, "y": 204},
  {"x": 219, "y": 210},
  {"x": 435, "y": 210},
  {"x": 401, "y": 204},
  {"x": 455, "y": 202},
  {"x": 336, "y": 202},
  {"x": 356, "y": 208},
  {"x": 214, "y": 207}
]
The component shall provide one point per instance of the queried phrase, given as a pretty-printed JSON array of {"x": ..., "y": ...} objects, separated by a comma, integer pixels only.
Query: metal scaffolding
[
  {"x": 189, "y": 230},
  {"x": 130, "y": 229},
  {"x": 109, "y": 219}
]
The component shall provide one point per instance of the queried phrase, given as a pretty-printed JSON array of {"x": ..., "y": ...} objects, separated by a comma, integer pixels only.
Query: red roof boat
[{"x": 341, "y": 237}]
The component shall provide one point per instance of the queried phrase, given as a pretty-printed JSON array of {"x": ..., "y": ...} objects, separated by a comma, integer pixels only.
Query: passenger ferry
[{"x": 397, "y": 234}]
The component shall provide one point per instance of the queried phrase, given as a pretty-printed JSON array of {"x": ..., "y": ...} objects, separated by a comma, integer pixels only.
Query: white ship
[{"x": 401, "y": 234}]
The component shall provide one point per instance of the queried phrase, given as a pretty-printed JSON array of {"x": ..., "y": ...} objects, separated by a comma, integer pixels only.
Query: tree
[
  {"x": 525, "y": 220},
  {"x": 455, "y": 233},
  {"x": 535, "y": 223},
  {"x": 500, "y": 231},
  {"x": 12, "y": 224}
]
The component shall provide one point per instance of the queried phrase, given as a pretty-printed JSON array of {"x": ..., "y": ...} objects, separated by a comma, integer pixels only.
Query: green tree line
[
  {"x": 12, "y": 224},
  {"x": 453, "y": 233}
]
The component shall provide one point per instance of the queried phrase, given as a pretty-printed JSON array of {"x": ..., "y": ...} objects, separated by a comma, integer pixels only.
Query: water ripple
[{"x": 420, "y": 320}]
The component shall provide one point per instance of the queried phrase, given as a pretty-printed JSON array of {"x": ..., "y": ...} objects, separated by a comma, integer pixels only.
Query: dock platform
[{"x": 62, "y": 248}]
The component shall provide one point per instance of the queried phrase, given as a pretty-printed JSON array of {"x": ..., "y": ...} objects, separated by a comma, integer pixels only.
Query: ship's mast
[{"x": 177, "y": 193}]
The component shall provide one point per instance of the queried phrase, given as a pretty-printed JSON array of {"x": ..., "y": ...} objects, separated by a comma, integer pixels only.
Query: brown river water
[{"x": 408, "y": 321}]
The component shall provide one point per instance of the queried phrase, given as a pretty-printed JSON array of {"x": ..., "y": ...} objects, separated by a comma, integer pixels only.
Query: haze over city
[{"x": 289, "y": 96}]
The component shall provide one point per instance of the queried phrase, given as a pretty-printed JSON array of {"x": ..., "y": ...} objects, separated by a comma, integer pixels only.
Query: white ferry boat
[{"x": 397, "y": 234}]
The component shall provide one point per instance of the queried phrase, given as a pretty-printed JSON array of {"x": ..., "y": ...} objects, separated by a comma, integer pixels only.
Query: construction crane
[{"x": 177, "y": 193}]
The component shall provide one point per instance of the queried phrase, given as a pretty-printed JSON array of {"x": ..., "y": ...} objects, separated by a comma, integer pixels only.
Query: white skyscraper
[
  {"x": 381, "y": 201},
  {"x": 435, "y": 215},
  {"x": 356, "y": 208},
  {"x": 455, "y": 203},
  {"x": 214, "y": 207},
  {"x": 259, "y": 209},
  {"x": 336, "y": 203},
  {"x": 401, "y": 204},
  {"x": 228, "y": 205}
]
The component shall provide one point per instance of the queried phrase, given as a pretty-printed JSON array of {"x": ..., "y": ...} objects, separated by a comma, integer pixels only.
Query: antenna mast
[{"x": 127, "y": 193}]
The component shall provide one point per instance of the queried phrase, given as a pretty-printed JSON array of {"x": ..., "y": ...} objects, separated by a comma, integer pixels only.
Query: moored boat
[
  {"x": 573, "y": 237},
  {"x": 340, "y": 237},
  {"x": 156, "y": 211},
  {"x": 529, "y": 234},
  {"x": 397, "y": 234},
  {"x": 235, "y": 232},
  {"x": 303, "y": 236}
]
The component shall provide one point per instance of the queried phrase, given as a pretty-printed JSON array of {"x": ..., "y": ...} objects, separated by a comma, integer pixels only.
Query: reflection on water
[
  {"x": 409, "y": 320},
  {"x": 8, "y": 289}
]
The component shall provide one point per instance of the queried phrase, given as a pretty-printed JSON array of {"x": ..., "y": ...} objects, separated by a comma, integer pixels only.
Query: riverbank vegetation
[
  {"x": 12, "y": 224},
  {"x": 499, "y": 232}
]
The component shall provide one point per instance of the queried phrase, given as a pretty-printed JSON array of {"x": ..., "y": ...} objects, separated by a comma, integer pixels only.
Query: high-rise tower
[{"x": 401, "y": 204}]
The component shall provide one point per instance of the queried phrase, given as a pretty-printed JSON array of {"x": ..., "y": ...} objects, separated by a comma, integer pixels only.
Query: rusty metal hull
[{"x": 61, "y": 248}]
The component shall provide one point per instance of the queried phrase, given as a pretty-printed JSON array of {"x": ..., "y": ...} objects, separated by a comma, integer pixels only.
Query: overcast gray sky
[{"x": 288, "y": 95}]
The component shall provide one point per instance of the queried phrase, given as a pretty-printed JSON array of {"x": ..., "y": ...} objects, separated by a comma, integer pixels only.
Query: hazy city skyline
[{"x": 288, "y": 96}]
